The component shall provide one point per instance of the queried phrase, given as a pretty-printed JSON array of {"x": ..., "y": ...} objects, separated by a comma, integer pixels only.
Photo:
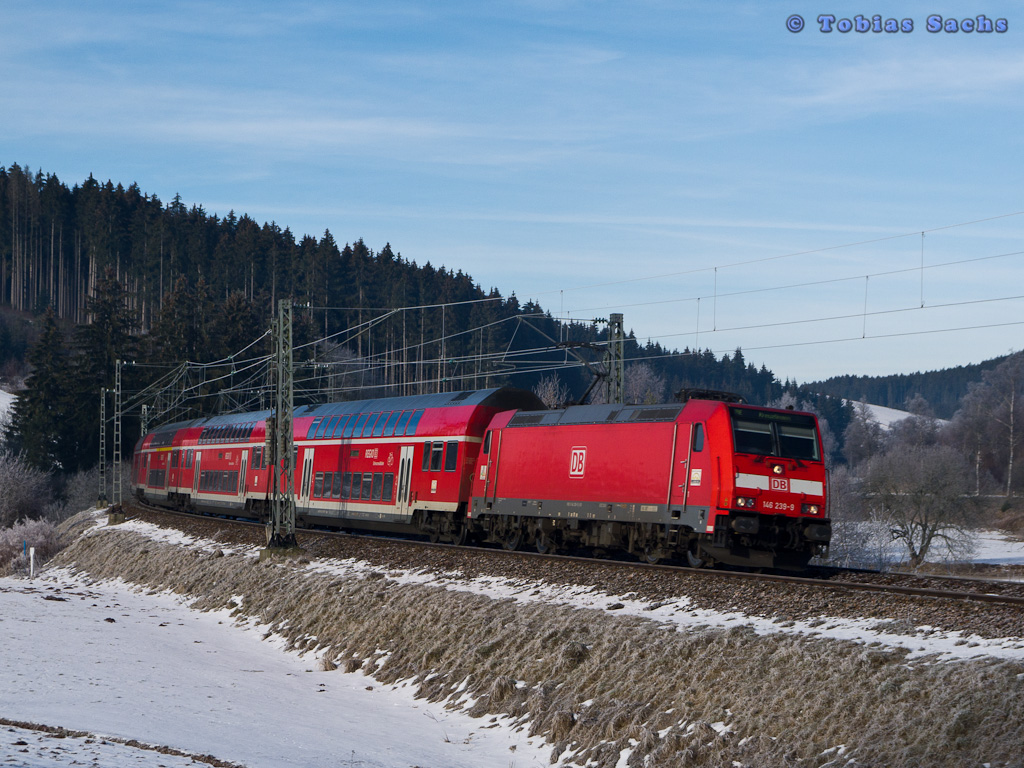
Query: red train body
[{"x": 706, "y": 481}]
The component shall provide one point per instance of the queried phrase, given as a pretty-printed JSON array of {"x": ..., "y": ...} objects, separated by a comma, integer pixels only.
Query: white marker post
[{"x": 32, "y": 562}]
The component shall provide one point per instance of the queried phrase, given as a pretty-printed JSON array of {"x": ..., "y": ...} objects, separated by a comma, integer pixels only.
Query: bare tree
[
  {"x": 919, "y": 428},
  {"x": 551, "y": 391},
  {"x": 643, "y": 384},
  {"x": 863, "y": 436},
  {"x": 919, "y": 493},
  {"x": 25, "y": 490},
  {"x": 970, "y": 429},
  {"x": 1006, "y": 387}
]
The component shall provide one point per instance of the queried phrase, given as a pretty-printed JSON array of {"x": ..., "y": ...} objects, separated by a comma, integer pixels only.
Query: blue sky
[{"x": 594, "y": 156}]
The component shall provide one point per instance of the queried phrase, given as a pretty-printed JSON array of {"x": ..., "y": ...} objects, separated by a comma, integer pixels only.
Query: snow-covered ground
[
  {"x": 121, "y": 663},
  {"x": 995, "y": 548},
  {"x": 102, "y": 658},
  {"x": 885, "y": 417}
]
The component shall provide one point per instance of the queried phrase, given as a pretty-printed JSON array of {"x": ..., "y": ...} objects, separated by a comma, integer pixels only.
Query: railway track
[{"x": 940, "y": 588}]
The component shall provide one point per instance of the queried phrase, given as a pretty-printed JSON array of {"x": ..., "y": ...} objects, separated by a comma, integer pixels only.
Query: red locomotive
[{"x": 706, "y": 481}]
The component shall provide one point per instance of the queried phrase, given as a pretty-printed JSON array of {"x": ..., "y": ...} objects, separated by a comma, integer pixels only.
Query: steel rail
[{"x": 838, "y": 586}]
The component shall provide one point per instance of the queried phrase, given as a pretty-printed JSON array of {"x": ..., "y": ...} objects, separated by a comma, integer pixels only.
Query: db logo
[
  {"x": 780, "y": 483},
  {"x": 577, "y": 461}
]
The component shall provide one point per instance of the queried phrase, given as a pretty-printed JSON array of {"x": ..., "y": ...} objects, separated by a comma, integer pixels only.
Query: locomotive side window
[
  {"x": 436, "y": 456},
  {"x": 188, "y": 459},
  {"x": 426, "y": 456},
  {"x": 698, "y": 438},
  {"x": 451, "y": 456}
]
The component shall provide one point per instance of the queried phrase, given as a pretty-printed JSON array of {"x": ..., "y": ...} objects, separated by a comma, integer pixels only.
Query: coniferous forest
[{"x": 98, "y": 272}]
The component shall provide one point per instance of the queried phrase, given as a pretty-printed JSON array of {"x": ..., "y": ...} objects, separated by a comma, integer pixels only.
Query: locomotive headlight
[
  {"x": 745, "y": 502},
  {"x": 777, "y": 469},
  {"x": 811, "y": 509}
]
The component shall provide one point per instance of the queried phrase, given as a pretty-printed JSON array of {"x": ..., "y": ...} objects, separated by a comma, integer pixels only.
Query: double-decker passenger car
[{"x": 705, "y": 481}]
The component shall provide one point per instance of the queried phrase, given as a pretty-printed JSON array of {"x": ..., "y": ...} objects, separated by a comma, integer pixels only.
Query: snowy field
[
  {"x": 994, "y": 548},
  {"x": 117, "y": 663}
]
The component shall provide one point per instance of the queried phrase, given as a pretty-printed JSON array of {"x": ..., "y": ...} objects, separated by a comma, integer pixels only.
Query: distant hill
[{"x": 942, "y": 389}]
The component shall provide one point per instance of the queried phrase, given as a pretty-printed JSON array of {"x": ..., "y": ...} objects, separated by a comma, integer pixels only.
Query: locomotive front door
[{"x": 403, "y": 504}]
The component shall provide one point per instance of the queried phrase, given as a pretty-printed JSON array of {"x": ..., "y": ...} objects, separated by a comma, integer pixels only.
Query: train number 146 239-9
[{"x": 780, "y": 505}]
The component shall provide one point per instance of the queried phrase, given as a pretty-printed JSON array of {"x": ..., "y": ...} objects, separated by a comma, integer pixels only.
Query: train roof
[
  {"x": 501, "y": 398},
  {"x": 598, "y": 414}
]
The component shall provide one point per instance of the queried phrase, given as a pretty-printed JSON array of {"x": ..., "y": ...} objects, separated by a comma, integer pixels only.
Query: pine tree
[{"x": 41, "y": 412}]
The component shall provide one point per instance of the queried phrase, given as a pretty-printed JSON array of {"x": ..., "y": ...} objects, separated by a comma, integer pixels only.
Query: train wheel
[
  {"x": 542, "y": 543},
  {"x": 461, "y": 535},
  {"x": 513, "y": 539},
  {"x": 695, "y": 558},
  {"x": 652, "y": 554}
]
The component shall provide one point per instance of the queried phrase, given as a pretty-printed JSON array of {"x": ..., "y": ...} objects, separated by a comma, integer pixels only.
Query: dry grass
[
  {"x": 43, "y": 535},
  {"x": 594, "y": 684}
]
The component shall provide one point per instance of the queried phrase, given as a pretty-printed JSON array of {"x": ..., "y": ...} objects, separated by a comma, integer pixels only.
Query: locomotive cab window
[
  {"x": 752, "y": 437},
  {"x": 767, "y": 433},
  {"x": 798, "y": 442},
  {"x": 487, "y": 443}
]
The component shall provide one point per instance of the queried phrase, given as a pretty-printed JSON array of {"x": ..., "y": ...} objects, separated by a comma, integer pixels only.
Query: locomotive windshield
[{"x": 770, "y": 433}]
